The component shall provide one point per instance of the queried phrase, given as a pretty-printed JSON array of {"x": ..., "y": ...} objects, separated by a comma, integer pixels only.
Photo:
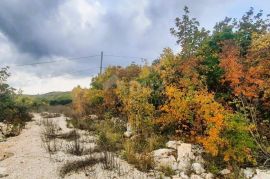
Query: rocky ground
[{"x": 24, "y": 157}]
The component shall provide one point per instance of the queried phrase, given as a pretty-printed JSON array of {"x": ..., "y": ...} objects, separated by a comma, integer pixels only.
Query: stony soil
[{"x": 24, "y": 157}]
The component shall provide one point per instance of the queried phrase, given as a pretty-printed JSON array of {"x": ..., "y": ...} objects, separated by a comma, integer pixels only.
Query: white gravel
[{"x": 27, "y": 159}]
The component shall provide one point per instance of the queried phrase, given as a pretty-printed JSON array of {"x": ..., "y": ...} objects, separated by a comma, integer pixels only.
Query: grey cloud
[
  {"x": 21, "y": 21},
  {"x": 36, "y": 27},
  {"x": 45, "y": 29}
]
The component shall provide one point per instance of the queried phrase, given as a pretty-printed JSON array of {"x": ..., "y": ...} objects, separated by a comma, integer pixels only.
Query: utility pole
[{"x": 101, "y": 62}]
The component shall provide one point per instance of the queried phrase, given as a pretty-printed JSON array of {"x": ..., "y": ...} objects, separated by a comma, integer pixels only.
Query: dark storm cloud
[
  {"x": 38, "y": 27},
  {"x": 45, "y": 29},
  {"x": 21, "y": 21}
]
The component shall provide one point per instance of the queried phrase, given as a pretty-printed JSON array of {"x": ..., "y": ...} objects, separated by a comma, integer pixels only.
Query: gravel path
[
  {"x": 24, "y": 157},
  {"x": 28, "y": 158}
]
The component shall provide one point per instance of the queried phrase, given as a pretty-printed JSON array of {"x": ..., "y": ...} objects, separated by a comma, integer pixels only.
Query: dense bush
[
  {"x": 215, "y": 92},
  {"x": 13, "y": 110}
]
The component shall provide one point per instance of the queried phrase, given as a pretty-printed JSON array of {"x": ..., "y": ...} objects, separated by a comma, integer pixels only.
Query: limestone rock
[
  {"x": 184, "y": 151},
  {"x": 173, "y": 144},
  {"x": 129, "y": 131},
  {"x": 225, "y": 172},
  {"x": 128, "y": 134},
  {"x": 209, "y": 176},
  {"x": 184, "y": 156},
  {"x": 183, "y": 175},
  {"x": 194, "y": 176},
  {"x": 262, "y": 174},
  {"x": 164, "y": 158},
  {"x": 198, "y": 168},
  {"x": 247, "y": 173},
  {"x": 184, "y": 164}
]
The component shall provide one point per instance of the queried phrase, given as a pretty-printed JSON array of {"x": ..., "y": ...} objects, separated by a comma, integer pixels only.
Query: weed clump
[
  {"x": 75, "y": 147},
  {"x": 49, "y": 134},
  {"x": 75, "y": 166}
]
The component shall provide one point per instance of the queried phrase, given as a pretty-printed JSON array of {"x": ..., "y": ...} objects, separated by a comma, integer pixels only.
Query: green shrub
[
  {"x": 167, "y": 170},
  {"x": 12, "y": 111},
  {"x": 110, "y": 135},
  {"x": 240, "y": 146},
  {"x": 137, "y": 154},
  {"x": 156, "y": 142},
  {"x": 83, "y": 124},
  {"x": 214, "y": 164}
]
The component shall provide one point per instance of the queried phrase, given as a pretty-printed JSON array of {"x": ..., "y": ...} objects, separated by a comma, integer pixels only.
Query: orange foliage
[
  {"x": 259, "y": 57},
  {"x": 79, "y": 100},
  {"x": 197, "y": 115},
  {"x": 212, "y": 114},
  {"x": 242, "y": 77},
  {"x": 189, "y": 74}
]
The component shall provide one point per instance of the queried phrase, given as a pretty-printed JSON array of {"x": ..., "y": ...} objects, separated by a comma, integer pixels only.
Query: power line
[
  {"x": 54, "y": 61},
  {"x": 72, "y": 72},
  {"x": 80, "y": 58},
  {"x": 123, "y": 56},
  {"x": 76, "y": 59}
]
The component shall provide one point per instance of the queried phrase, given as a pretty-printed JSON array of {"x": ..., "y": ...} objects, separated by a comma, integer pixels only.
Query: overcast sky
[{"x": 34, "y": 31}]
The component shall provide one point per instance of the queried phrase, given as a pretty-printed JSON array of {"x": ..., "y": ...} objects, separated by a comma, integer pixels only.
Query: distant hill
[{"x": 54, "y": 98}]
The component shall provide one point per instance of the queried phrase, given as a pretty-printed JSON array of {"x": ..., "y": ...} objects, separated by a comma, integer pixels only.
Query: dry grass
[
  {"x": 109, "y": 161},
  {"x": 52, "y": 137},
  {"x": 50, "y": 115},
  {"x": 76, "y": 166},
  {"x": 61, "y": 109},
  {"x": 75, "y": 147},
  {"x": 51, "y": 146},
  {"x": 50, "y": 128},
  {"x": 49, "y": 133},
  {"x": 70, "y": 136}
]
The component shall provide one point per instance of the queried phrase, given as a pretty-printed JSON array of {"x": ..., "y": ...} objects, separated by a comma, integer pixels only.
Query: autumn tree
[
  {"x": 136, "y": 105},
  {"x": 167, "y": 67},
  {"x": 188, "y": 33},
  {"x": 79, "y": 100},
  {"x": 215, "y": 92},
  {"x": 248, "y": 78},
  {"x": 240, "y": 32},
  {"x": 195, "y": 116},
  {"x": 209, "y": 52},
  {"x": 258, "y": 58}
]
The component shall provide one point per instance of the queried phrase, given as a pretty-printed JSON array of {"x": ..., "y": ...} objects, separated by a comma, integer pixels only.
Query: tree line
[{"x": 215, "y": 92}]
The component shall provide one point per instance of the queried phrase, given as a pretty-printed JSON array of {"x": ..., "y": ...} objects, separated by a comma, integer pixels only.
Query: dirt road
[{"x": 26, "y": 158}]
